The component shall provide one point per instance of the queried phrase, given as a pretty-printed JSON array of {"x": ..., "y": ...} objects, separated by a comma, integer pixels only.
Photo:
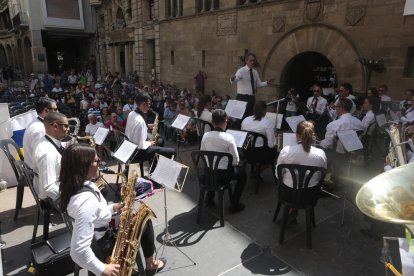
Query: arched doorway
[
  {"x": 3, "y": 57},
  {"x": 305, "y": 70}
]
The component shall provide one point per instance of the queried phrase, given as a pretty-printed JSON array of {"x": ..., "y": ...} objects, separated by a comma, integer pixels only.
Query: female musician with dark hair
[
  {"x": 371, "y": 107},
  {"x": 301, "y": 154},
  {"x": 203, "y": 108},
  {"x": 84, "y": 203}
]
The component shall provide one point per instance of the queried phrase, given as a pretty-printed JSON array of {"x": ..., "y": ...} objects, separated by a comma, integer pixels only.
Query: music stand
[
  {"x": 125, "y": 153},
  {"x": 180, "y": 122},
  {"x": 171, "y": 175}
]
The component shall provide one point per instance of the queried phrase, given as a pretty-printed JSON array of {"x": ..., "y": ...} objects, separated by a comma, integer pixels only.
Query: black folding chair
[
  {"x": 300, "y": 196},
  {"x": 210, "y": 178},
  {"x": 202, "y": 127}
]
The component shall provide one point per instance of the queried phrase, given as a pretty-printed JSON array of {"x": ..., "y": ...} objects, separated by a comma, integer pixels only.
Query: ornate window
[
  {"x": 174, "y": 8},
  {"x": 206, "y": 5}
]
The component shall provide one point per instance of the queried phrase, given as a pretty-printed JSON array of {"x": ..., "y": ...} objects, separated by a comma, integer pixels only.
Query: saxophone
[
  {"x": 154, "y": 134},
  {"x": 396, "y": 155},
  {"x": 131, "y": 227}
]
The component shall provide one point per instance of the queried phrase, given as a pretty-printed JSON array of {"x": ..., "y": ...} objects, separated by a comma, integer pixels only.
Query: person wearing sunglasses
[
  {"x": 36, "y": 129},
  {"x": 47, "y": 156},
  {"x": 316, "y": 104}
]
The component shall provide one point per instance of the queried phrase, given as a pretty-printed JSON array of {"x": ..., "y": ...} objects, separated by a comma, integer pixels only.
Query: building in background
[{"x": 47, "y": 35}]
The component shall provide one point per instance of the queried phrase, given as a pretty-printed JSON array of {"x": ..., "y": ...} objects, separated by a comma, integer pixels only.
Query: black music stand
[
  {"x": 125, "y": 153},
  {"x": 180, "y": 122},
  {"x": 169, "y": 173}
]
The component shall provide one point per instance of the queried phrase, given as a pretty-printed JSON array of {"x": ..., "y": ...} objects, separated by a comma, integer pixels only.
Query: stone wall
[{"x": 343, "y": 31}]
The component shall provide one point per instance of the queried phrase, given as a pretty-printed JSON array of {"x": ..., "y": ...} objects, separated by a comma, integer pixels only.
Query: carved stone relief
[
  {"x": 313, "y": 10},
  {"x": 355, "y": 15},
  {"x": 227, "y": 24},
  {"x": 279, "y": 23}
]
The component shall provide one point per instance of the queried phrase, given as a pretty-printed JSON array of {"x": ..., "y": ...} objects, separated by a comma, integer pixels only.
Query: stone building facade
[
  {"x": 46, "y": 35},
  {"x": 297, "y": 42}
]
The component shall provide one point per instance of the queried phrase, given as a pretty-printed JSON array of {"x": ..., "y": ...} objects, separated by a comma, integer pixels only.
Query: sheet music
[
  {"x": 350, "y": 140},
  {"x": 166, "y": 172},
  {"x": 275, "y": 118},
  {"x": 125, "y": 151},
  {"x": 407, "y": 257},
  {"x": 235, "y": 109},
  {"x": 381, "y": 120},
  {"x": 289, "y": 139},
  {"x": 146, "y": 145},
  {"x": 100, "y": 135},
  {"x": 239, "y": 136},
  {"x": 294, "y": 121},
  {"x": 180, "y": 121}
]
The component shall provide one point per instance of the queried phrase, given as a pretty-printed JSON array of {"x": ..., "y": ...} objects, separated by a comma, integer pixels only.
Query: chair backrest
[
  {"x": 201, "y": 127},
  {"x": 208, "y": 171},
  {"x": 301, "y": 176},
  {"x": 27, "y": 174},
  {"x": 254, "y": 136},
  {"x": 5, "y": 145}
]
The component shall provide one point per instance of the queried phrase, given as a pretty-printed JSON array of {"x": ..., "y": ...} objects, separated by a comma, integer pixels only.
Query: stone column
[
  {"x": 127, "y": 59},
  {"x": 171, "y": 8}
]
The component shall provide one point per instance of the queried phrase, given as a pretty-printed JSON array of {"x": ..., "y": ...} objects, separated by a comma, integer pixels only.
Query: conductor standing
[{"x": 248, "y": 80}]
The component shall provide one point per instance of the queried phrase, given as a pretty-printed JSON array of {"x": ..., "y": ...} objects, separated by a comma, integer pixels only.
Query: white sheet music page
[
  {"x": 289, "y": 139},
  {"x": 125, "y": 151},
  {"x": 100, "y": 135},
  {"x": 294, "y": 121},
  {"x": 180, "y": 121},
  {"x": 235, "y": 108},
  {"x": 166, "y": 172},
  {"x": 407, "y": 257},
  {"x": 239, "y": 136},
  {"x": 275, "y": 118},
  {"x": 350, "y": 140},
  {"x": 146, "y": 145},
  {"x": 381, "y": 120}
]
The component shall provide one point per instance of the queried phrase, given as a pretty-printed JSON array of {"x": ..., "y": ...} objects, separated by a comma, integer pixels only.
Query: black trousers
[
  {"x": 104, "y": 246},
  {"x": 238, "y": 174},
  {"x": 150, "y": 152},
  {"x": 251, "y": 100}
]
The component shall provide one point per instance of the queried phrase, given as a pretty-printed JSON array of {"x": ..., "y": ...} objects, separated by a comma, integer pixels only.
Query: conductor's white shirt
[
  {"x": 31, "y": 138},
  {"x": 222, "y": 142},
  {"x": 345, "y": 122},
  {"x": 264, "y": 126},
  {"x": 46, "y": 163},
  {"x": 243, "y": 81},
  {"x": 320, "y": 105},
  {"x": 136, "y": 129},
  {"x": 89, "y": 211},
  {"x": 295, "y": 154}
]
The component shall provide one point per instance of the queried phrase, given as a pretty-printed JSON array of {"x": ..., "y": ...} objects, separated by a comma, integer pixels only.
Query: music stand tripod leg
[{"x": 167, "y": 236}]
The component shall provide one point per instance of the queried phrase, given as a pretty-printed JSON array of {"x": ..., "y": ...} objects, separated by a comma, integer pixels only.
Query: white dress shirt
[
  {"x": 46, "y": 163},
  {"x": 368, "y": 119},
  {"x": 222, "y": 142},
  {"x": 89, "y": 212},
  {"x": 320, "y": 105},
  {"x": 129, "y": 107},
  {"x": 136, "y": 129},
  {"x": 207, "y": 116},
  {"x": 32, "y": 135},
  {"x": 353, "y": 109},
  {"x": 385, "y": 98},
  {"x": 91, "y": 129},
  {"x": 242, "y": 79},
  {"x": 297, "y": 155},
  {"x": 264, "y": 126},
  {"x": 408, "y": 117},
  {"x": 345, "y": 122}
]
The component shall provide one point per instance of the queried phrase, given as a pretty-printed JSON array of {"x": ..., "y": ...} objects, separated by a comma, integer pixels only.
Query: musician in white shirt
[
  {"x": 48, "y": 154},
  {"x": 260, "y": 124},
  {"x": 408, "y": 116},
  {"x": 248, "y": 80},
  {"x": 344, "y": 93},
  {"x": 317, "y": 104},
  {"x": 36, "y": 130},
  {"x": 219, "y": 140},
  {"x": 371, "y": 107},
  {"x": 203, "y": 112},
  {"x": 406, "y": 103},
  {"x": 383, "y": 93},
  {"x": 302, "y": 154},
  {"x": 85, "y": 204},
  {"x": 345, "y": 122}
]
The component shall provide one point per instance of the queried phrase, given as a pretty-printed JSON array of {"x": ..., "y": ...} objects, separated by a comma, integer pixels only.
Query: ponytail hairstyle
[
  {"x": 259, "y": 110},
  {"x": 306, "y": 133},
  {"x": 204, "y": 100}
]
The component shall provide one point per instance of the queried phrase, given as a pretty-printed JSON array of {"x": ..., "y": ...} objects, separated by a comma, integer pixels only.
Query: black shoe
[
  {"x": 151, "y": 272},
  {"x": 236, "y": 208}
]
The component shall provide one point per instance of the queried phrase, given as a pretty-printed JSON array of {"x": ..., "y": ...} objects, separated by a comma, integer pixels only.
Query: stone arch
[
  {"x": 3, "y": 56},
  {"x": 327, "y": 40},
  {"x": 27, "y": 53}
]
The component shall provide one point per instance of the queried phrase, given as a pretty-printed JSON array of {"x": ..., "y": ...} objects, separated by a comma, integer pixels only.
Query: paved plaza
[{"x": 246, "y": 245}]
